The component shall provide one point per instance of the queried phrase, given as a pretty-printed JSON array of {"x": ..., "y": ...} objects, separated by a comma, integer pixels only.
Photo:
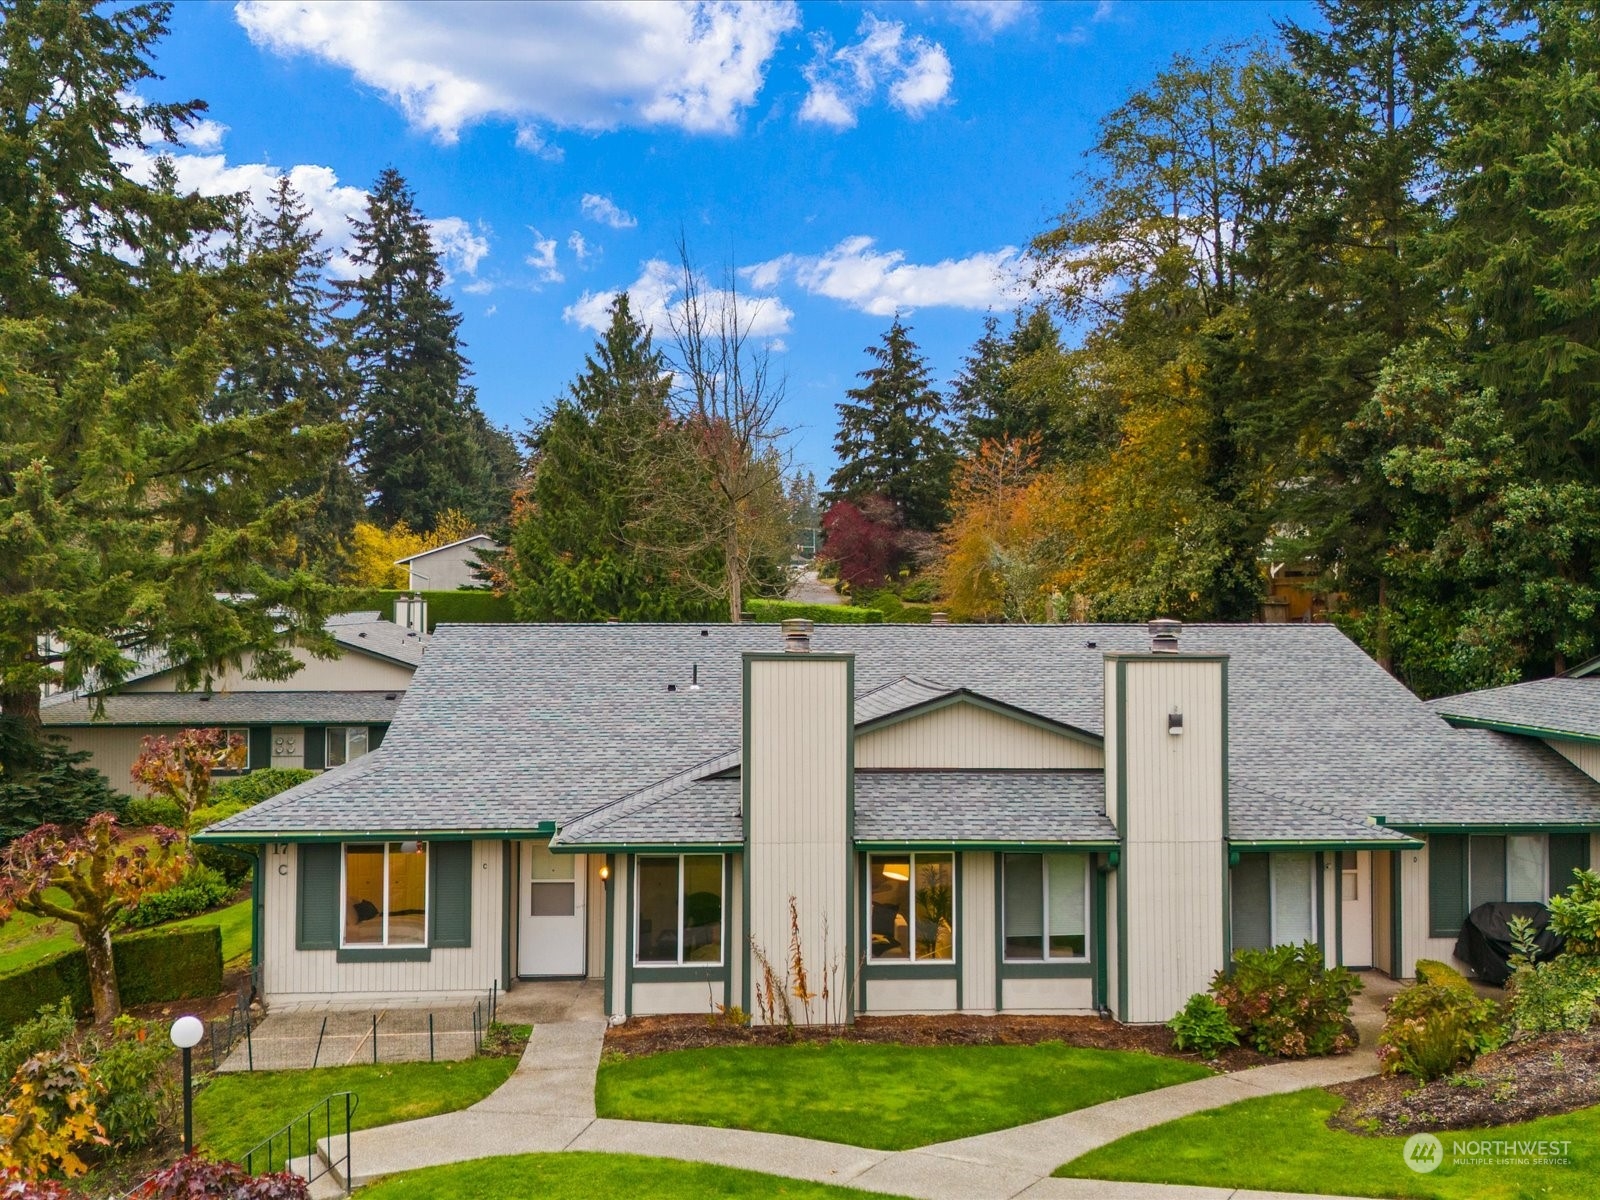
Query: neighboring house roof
[
  {"x": 524, "y": 727},
  {"x": 203, "y": 710},
  {"x": 1565, "y": 706},
  {"x": 476, "y": 537}
]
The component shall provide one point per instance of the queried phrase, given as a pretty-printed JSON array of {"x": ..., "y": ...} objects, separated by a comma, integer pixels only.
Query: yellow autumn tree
[{"x": 374, "y": 549}]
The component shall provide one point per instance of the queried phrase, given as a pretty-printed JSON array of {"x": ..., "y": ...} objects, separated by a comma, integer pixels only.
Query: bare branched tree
[{"x": 717, "y": 493}]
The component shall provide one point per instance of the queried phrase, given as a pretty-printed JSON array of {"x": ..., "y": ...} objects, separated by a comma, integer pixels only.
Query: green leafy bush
[
  {"x": 1575, "y": 914},
  {"x": 464, "y": 607},
  {"x": 47, "y": 1031},
  {"x": 241, "y": 791},
  {"x": 200, "y": 890},
  {"x": 1287, "y": 1001},
  {"x": 161, "y": 964},
  {"x": 1202, "y": 1025},
  {"x": 895, "y": 609},
  {"x": 1563, "y": 993},
  {"x": 1434, "y": 1028},
  {"x": 822, "y": 614},
  {"x": 1437, "y": 974},
  {"x": 155, "y": 810},
  {"x": 136, "y": 1093}
]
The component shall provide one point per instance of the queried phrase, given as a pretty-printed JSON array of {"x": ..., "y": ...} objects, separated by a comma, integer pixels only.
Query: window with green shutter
[
  {"x": 260, "y": 748},
  {"x": 1568, "y": 852},
  {"x": 1251, "y": 903},
  {"x": 375, "y": 736},
  {"x": 317, "y": 898},
  {"x": 451, "y": 907},
  {"x": 316, "y": 743},
  {"x": 1447, "y": 884}
]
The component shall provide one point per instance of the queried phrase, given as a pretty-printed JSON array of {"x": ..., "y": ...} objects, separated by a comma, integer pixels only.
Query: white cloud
[
  {"x": 653, "y": 298},
  {"x": 531, "y": 140},
  {"x": 690, "y": 64},
  {"x": 882, "y": 283},
  {"x": 985, "y": 16},
  {"x": 915, "y": 72},
  {"x": 579, "y": 247},
  {"x": 205, "y": 134},
  {"x": 604, "y": 210},
  {"x": 459, "y": 244},
  {"x": 543, "y": 259}
]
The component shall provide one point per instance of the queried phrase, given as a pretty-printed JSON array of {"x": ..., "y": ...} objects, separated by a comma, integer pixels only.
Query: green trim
[
  {"x": 1587, "y": 667},
  {"x": 1163, "y": 656},
  {"x": 907, "y": 969},
  {"x": 866, "y": 903},
  {"x": 545, "y": 829},
  {"x": 611, "y": 935},
  {"x": 1538, "y": 731},
  {"x": 746, "y": 957},
  {"x": 670, "y": 973},
  {"x": 258, "y": 890},
  {"x": 977, "y": 700},
  {"x": 1396, "y": 921},
  {"x": 385, "y": 954},
  {"x": 1338, "y": 908},
  {"x": 1120, "y": 674},
  {"x": 1524, "y": 827},
  {"x": 627, "y": 960},
  {"x": 648, "y": 848},
  {"x": 727, "y": 933},
  {"x": 955, "y": 934},
  {"x": 790, "y": 656},
  {"x": 1003, "y": 847},
  {"x": 1099, "y": 950},
  {"x": 1265, "y": 847},
  {"x": 1227, "y": 851},
  {"x": 999, "y": 933},
  {"x": 850, "y": 832},
  {"x": 1080, "y": 969},
  {"x": 508, "y": 867}
]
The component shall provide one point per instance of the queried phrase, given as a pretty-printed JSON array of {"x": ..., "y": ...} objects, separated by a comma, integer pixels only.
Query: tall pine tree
[
  {"x": 892, "y": 440},
  {"x": 420, "y": 451}
]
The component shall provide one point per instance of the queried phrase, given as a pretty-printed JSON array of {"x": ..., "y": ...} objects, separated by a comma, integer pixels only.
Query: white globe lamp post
[{"x": 186, "y": 1035}]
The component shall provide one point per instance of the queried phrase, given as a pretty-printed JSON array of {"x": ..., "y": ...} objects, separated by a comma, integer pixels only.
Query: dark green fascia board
[
  {"x": 1152, "y": 656},
  {"x": 1507, "y": 827},
  {"x": 545, "y": 829},
  {"x": 1079, "y": 969},
  {"x": 1585, "y": 668},
  {"x": 881, "y": 969},
  {"x": 810, "y": 655},
  {"x": 1258, "y": 847},
  {"x": 390, "y": 955},
  {"x": 978, "y": 700},
  {"x": 650, "y": 848},
  {"x": 710, "y": 973},
  {"x": 1538, "y": 731},
  {"x": 1014, "y": 847}
]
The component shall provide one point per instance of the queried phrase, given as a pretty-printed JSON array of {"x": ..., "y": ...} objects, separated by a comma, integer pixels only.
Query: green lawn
[
  {"x": 26, "y": 939},
  {"x": 235, "y": 922},
  {"x": 883, "y": 1097},
  {"x": 234, "y": 1113},
  {"x": 1282, "y": 1143},
  {"x": 584, "y": 1176}
]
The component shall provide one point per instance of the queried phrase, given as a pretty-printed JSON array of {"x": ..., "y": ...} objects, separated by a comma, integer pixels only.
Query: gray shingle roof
[
  {"x": 982, "y": 806},
  {"x": 229, "y": 708},
  {"x": 898, "y": 696},
  {"x": 507, "y": 727},
  {"x": 1257, "y": 816},
  {"x": 1559, "y": 705}
]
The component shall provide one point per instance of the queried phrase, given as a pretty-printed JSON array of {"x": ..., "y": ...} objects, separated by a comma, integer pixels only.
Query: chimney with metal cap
[
  {"x": 797, "y": 635},
  {"x": 1164, "y": 633},
  {"x": 939, "y": 618}
]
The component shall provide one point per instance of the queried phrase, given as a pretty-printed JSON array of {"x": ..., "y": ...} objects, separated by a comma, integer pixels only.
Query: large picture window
[
  {"x": 1466, "y": 870},
  {"x": 912, "y": 914},
  {"x": 384, "y": 888},
  {"x": 1046, "y": 907},
  {"x": 346, "y": 743},
  {"x": 678, "y": 910},
  {"x": 1273, "y": 900}
]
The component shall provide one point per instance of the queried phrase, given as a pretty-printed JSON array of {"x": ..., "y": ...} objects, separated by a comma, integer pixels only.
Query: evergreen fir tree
[
  {"x": 419, "y": 453},
  {"x": 892, "y": 441}
]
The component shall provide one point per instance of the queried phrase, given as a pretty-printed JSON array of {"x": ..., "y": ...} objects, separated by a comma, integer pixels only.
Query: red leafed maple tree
[{"x": 180, "y": 767}]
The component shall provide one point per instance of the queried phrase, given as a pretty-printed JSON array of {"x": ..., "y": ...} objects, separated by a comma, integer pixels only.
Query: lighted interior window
[
  {"x": 911, "y": 912},
  {"x": 386, "y": 894}
]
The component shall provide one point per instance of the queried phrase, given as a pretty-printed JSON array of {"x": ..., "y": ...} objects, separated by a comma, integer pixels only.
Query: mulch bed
[
  {"x": 1541, "y": 1076},
  {"x": 655, "y": 1035}
]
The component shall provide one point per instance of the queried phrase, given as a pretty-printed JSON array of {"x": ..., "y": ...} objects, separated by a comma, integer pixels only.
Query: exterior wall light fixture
[{"x": 1175, "y": 723}]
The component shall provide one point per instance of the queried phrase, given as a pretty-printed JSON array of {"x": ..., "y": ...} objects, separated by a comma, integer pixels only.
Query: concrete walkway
[{"x": 547, "y": 1105}]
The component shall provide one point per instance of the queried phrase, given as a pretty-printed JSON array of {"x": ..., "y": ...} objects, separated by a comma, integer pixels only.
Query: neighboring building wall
[
  {"x": 297, "y": 976},
  {"x": 976, "y": 943},
  {"x": 796, "y": 769},
  {"x": 1174, "y": 858},
  {"x": 112, "y": 749},
  {"x": 449, "y": 568},
  {"x": 1583, "y": 755},
  {"x": 352, "y": 672},
  {"x": 967, "y": 737}
]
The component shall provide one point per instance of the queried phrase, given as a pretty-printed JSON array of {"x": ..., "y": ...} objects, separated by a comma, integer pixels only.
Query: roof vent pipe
[
  {"x": 939, "y": 618},
  {"x": 797, "y": 635},
  {"x": 1164, "y": 633}
]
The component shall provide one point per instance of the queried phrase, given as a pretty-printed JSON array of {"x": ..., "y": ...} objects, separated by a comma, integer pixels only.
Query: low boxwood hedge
[
  {"x": 822, "y": 614},
  {"x": 163, "y": 964}
]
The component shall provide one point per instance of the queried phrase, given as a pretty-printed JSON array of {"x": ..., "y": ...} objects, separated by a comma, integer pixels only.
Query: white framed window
[
  {"x": 1527, "y": 869},
  {"x": 677, "y": 910},
  {"x": 911, "y": 912},
  {"x": 1294, "y": 902},
  {"x": 383, "y": 894},
  {"x": 244, "y": 740},
  {"x": 1046, "y": 903},
  {"x": 345, "y": 744}
]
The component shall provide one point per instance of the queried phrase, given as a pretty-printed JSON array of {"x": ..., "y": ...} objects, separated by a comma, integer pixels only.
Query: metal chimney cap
[
  {"x": 939, "y": 618},
  {"x": 1164, "y": 633},
  {"x": 797, "y": 635}
]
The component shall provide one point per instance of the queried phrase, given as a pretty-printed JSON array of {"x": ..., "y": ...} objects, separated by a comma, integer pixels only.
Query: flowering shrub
[
  {"x": 1287, "y": 1001},
  {"x": 192, "y": 1178}
]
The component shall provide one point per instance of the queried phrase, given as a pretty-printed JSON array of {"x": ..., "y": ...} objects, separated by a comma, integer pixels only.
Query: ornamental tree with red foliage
[
  {"x": 193, "y": 1178},
  {"x": 180, "y": 768},
  {"x": 101, "y": 875},
  {"x": 864, "y": 541}
]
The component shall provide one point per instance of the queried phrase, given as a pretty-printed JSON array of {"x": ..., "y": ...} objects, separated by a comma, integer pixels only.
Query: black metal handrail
[{"x": 329, "y": 1108}]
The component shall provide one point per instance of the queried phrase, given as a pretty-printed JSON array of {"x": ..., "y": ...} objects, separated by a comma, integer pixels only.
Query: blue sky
[{"x": 853, "y": 160}]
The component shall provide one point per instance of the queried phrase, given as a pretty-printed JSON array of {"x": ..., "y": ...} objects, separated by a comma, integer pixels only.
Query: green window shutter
[
  {"x": 1486, "y": 875},
  {"x": 450, "y": 908},
  {"x": 1447, "y": 884},
  {"x": 260, "y": 748},
  {"x": 1568, "y": 852},
  {"x": 316, "y": 740},
  {"x": 317, "y": 907},
  {"x": 1252, "y": 906},
  {"x": 375, "y": 736}
]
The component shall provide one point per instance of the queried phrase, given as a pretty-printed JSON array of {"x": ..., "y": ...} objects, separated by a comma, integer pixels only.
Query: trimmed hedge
[
  {"x": 822, "y": 614},
  {"x": 165, "y": 964},
  {"x": 466, "y": 607}
]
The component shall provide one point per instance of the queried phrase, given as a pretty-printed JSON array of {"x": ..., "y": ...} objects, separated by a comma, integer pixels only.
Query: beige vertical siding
[
  {"x": 1112, "y": 928},
  {"x": 595, "y": 958},
  {"x": 1382, "y": 911},
  {"x": 796, "y": 767},
  {"x": 650, "y": 999},
  {"x": 448, "y": 569},
  {"x": 977, "y": 932},
  {"x": 886, "y": 996},
  {"x": 111, "y": 750},
  {"x": 1330, "y": 908},
  {"x": 1047, "y": 996},
  {"x": 1172, "y": 846},
  {"x": 294, "y": 976},
  {"x": 288, "y": 746},
  {"x": 1415, "y": 942},
  {"x": 1110, "y": 695},
  {"x": 1583, "y": 755},
  {"x": 967, "y": 737},
  {"x": 352, "y": 672},
  {"x": 619, "y": 936}
]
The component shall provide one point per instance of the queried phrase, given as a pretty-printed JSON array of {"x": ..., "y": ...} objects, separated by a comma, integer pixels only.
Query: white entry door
[
  {"x": 1355, "y": 902},
  {"x": 552, "y": 899}
]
